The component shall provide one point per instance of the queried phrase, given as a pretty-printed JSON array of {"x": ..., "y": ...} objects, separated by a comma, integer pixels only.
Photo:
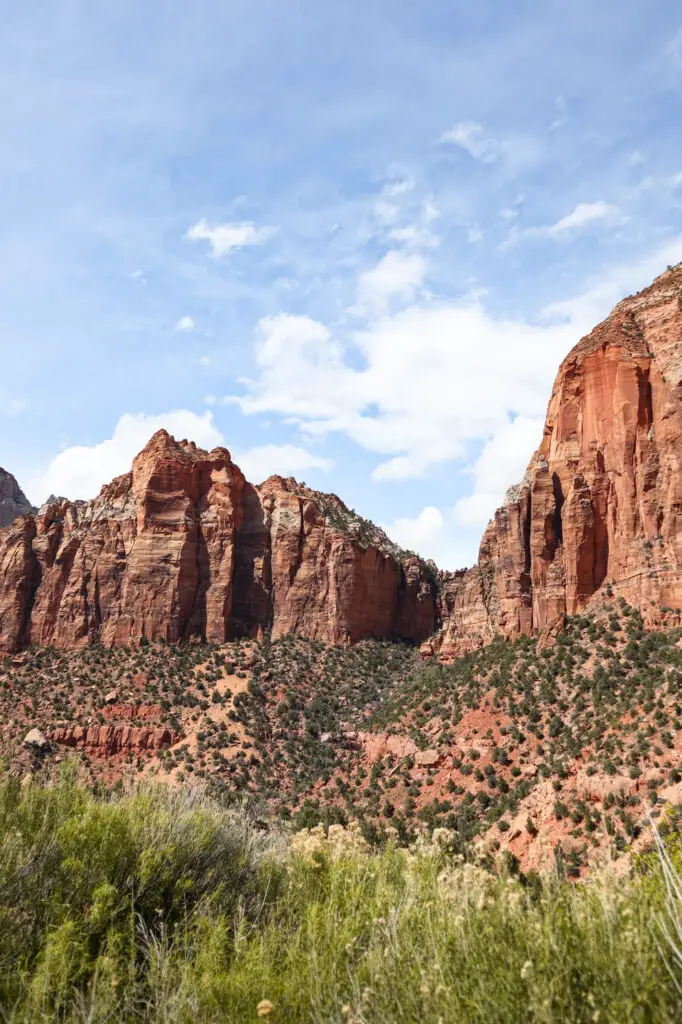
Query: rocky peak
[
  {"x": 183, "y": 546},
  {"x": 13, "y": 501}
]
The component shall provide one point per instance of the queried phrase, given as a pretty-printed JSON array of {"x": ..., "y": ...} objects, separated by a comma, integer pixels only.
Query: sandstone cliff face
[
  {"x": 108, "y": 740},
  {"x": 13, "y": 501},
  {"x": 600, "y": 505},
  {"x": 182, "y": 546}
]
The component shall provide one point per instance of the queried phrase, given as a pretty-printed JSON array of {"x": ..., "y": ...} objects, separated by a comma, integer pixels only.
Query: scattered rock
[{"x": 36, "y": 739}]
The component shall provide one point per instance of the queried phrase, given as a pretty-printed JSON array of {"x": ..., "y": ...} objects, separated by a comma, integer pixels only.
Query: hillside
[
  {"x": 548, "y": 750},
  {"x": 265, "y": 640}
]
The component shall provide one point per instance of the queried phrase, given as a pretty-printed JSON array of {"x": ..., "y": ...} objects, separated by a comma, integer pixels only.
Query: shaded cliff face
[
  {"x": 13, "y": 501},
  {"x": 600, "y": 507},
  {"x": 184, "y": 547}
]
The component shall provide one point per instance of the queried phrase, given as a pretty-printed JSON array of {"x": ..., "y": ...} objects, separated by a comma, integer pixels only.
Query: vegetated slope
[
  {"x": 161, "y": 906},
  {"x": 549, "y": 751}
]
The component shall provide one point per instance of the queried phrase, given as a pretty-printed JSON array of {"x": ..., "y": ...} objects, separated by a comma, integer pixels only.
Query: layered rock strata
[
  {"x": 183, "y": 546},
  {"x": 599, "y": 510}
]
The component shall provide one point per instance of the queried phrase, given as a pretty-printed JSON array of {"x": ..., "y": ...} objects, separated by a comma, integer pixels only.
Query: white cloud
[
  {"x": 432, "y": 380},
  {"x": 433, "y": 534},
  {"x": 502, "y": 462},
  {"x": 185, "y": 323},
  {"x": 515, "y": 151},
  {"x": 398, "y": 187},
  {"x": 283, "y": 459},
  {"x": 423, "y": 386},
  {"x": 470, "y": 136},
  {"x": 430, "y": 211},
  {"x": 223, "y": 238},
  {"x": 583, "y": 215},
  {"x": 397, "y": 274},
  {"x": 415, "y": 237},
  {"x": 418, "y": 534},
  {"x": 387, "y": 206},
  {"x": 81, "y": 471},
  {"x": 561, "y": 114}
]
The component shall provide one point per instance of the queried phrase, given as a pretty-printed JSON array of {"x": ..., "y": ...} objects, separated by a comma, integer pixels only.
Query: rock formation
[
  {"x": 183, "y": 547},
  {"x": 108, "y": 740},
  {"x": 13, "y": 501},
  {"x": 599, "y": 510}
]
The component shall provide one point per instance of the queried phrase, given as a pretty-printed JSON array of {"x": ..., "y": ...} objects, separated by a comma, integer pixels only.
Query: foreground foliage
[{"x": 162, "y": 906}]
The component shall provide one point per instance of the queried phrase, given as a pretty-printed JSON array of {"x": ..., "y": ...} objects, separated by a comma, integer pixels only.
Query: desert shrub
[{"x": 161, "y": 906}]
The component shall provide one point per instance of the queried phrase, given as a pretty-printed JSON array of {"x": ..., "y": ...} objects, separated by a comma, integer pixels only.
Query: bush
[{"x": 159, "y": 906}]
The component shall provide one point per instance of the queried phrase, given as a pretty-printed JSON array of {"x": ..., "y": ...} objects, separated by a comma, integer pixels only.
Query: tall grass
[{"x": 160, "y": 906}]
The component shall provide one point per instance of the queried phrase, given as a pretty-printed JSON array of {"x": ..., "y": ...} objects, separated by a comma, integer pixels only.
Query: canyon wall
[
  {"x": 600, "y": 507},
  {"x": 183, "y": 546}
]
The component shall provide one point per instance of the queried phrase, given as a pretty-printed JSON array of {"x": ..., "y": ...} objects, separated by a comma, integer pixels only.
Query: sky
[{"x": 350, "y": 241}]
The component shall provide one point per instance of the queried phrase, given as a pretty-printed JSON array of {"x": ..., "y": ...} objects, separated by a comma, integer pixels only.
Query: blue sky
[{"x": 351, "y": 241}]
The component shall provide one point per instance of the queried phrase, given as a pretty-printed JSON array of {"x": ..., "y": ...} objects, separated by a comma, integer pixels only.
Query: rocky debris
[
  {"x": 378, "y": 745},
  {"x": 36, "y": 739},
  {"x": 183, "y": 547},
  {"x": 551, "y": 633},
  {"x": 599, "y": 511},
  {"x": 13, "y": 501},
  {"x": 111, "y": 697}
]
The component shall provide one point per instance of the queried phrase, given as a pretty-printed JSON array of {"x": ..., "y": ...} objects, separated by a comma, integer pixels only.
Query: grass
[{"x": 161, "y": 906}]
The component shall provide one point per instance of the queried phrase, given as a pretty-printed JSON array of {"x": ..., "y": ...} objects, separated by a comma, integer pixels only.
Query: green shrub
[{"x": 160, "y": 906}]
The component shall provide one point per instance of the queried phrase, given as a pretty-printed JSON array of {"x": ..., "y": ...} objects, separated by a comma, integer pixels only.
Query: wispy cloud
[
  {"x": 224, "y": 238},
  {"x": 513, "y": 149},
  {"x": 471, "y": 137},
  {"x": 185, "y": 323},
  {"x": 397, "y": 274},
  {"x": 12, "y": 406},
  {"x": 581, "y": 217},
  {"x": 674, "y": 50}
]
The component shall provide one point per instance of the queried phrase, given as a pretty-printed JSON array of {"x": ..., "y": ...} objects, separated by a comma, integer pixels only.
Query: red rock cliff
[
  {"x": 601, "y": 502},
  {"x": 183, "y": 546}
]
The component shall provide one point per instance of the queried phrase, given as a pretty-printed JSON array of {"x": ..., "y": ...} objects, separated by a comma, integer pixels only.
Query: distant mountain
[{"x": 13, "y": 501}]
